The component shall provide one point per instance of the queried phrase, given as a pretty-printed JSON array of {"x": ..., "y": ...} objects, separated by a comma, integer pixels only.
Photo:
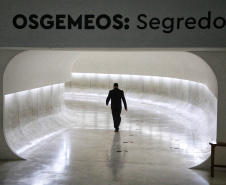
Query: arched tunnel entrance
[{"x": 171, "y": 97}]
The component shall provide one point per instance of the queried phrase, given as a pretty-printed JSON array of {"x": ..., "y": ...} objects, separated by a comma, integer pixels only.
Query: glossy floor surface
[{"x": 154, "y": 146}]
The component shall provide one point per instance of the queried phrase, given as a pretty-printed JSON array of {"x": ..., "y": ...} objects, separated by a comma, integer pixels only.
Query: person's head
[{"x": 115, "y": 85}]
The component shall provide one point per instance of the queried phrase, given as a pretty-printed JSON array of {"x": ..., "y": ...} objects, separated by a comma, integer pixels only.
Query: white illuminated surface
[
  {"x": 178, "y": 113},
  {"x": 190, "y": 105},
  {"x": 171, "y": 120},
  {"x": 33, "y": 117},
  {"x": 38, "y": 142},
  {"x": 169, "y": 123}
]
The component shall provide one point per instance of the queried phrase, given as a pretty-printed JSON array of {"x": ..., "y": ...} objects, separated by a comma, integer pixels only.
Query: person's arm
[
  {"x": 124, "y": 101},
  {"x": 108, "y": 98}
]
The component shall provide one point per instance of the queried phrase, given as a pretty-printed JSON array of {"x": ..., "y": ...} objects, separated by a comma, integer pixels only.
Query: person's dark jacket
[{"x": 115, "y": 96}]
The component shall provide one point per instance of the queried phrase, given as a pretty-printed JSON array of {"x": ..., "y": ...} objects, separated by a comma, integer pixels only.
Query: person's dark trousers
[{"x": 116, "y": 117}]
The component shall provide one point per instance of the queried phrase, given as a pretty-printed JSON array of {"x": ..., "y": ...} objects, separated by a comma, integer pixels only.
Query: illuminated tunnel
[{"x": 39, "y": 85}]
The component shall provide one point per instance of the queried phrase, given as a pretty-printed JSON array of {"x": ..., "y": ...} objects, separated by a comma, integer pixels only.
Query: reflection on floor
[{"x": 154, "y": 146}]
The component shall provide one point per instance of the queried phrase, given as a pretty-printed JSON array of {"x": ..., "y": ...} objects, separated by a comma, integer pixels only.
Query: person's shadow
[{"x": 116, "y": 158}]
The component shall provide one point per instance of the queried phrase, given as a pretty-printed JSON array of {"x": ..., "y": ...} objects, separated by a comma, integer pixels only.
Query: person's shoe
[{"x": 116, "y": 130}]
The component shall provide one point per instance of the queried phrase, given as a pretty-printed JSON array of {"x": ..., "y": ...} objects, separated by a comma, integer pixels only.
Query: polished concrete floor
[{"x": 154, "y": 146}]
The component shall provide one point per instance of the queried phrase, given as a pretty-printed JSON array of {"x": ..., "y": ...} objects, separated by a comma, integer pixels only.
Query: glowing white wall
[
  {"x": 180, "y": 65},
  {"x": 217, "y": 61},
  {"x": 33, "y": 107},
  {"x": 34, "y": 115}
]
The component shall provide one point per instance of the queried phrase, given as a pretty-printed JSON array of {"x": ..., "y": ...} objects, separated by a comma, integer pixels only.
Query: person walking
[{"x": 116, "y": 95}]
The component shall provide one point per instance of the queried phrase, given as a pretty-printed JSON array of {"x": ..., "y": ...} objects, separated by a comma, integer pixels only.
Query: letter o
[
  {"x": 223, "y": 22},
  {"x": 15, "y": 23},
  {"x": 103, "y": 16}
]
